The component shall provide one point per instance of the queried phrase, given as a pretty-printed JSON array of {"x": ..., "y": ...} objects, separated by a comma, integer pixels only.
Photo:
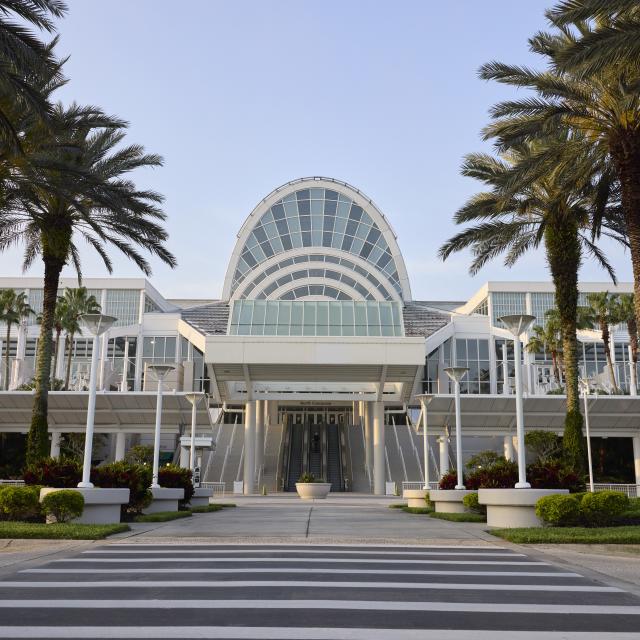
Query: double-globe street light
[
  {"x": 456, "y": 374},
  {"x": 517, "y": 324},
  {"x": 159, "y": 372},
  {"x": 425, "y": 400},
  {"x": 96, "y": 324},
  {"x": 194, "y": 398}
]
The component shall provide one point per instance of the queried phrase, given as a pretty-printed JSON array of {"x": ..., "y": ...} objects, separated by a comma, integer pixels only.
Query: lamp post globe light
[
  {"x": 425, "y": 400},
  {"x": 194, "y": 398},
  {"x": 456, "y": 374},
  {"x": 517, "y": 324},
  {"x": 585, "y": 384},
  {"x": 159, "y": 372},
  {"x": 96, "y": 324}
]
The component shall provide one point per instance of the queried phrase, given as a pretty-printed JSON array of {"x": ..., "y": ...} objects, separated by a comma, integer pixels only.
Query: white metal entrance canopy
[
  {"x": 130, "y": 412},
  {"x": 495, "y": 414}
]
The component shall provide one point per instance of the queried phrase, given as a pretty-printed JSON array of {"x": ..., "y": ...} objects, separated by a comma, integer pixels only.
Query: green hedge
[
  {"x": 20, "y": 503},
  {"x": 63, "y": 505},
  {"x": 589, "y": 509}
]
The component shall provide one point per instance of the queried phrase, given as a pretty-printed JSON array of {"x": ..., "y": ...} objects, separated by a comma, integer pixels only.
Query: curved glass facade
[{"x": 316, "y": 217}]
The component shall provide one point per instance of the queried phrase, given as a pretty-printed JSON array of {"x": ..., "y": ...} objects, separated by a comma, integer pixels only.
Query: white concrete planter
[
  {"x": 164, "y": 499},
  {"x": 101, "y": 506},
  {"x": 448, "y": 500},
  {"x": 313, "y": 490},
  {"x": 415, "y": 497},
  {"x": 201, "y": 497},
  {"x": 510, "y": 508}
]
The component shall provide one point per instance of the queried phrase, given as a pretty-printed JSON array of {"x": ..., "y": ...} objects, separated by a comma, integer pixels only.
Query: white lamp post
[
  {"x": 456, "y": 374},
  {"x": 518, "y": 324},
  {"x": 159, "y": 372},
  {"x": 194, "y": 398},
  {"x": 96, "y": 324},
  {"x": 584, "y": 383},
  {"x": 425, "y": 399}
]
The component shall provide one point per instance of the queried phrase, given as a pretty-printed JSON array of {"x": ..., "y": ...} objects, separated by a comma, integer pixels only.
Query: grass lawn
[
  {"x": 397, "y": 505},
  {"x": 460, "y": 517},
  {"x": 419, "y": 510},
  {"x": 60, "y": 531},
  {"x": 207, "y": 508},
  {"x": 162, "y": 516},
  {"x": 570, "y": 535}
]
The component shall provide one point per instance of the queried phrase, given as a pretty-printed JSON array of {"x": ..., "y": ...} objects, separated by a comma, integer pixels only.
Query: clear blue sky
[{"x": 242, "y": 96}]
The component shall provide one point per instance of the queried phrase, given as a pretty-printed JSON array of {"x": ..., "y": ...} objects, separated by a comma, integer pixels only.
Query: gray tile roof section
[
  {"x": 421, "y": 320},
  {"x": 209, "y": 319}
]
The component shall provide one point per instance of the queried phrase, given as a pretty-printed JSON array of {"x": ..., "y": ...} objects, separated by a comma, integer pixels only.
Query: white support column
[
  {"x": 444, "y": 454},
  {"x": 636, "y": 457},
  {"x": 377, "y": 408},
  {"x": 184, "y": 457},
  {"x": 356, "y": 412},
  {"x": 261, "y": 415},
  {"x": 121, "y": 439},
  {"x": 361, "y": 411},
  {"x": 249, "y": 447},
  {"x": 368, "y": 436},
  {"x": 633, "y": 383},
  {"x": 55, "y": 444},
  {"x": 508, "y": 448}
]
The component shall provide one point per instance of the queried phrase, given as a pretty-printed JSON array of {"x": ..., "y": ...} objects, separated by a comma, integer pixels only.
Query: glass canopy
[{"x": 316, "y": 318}]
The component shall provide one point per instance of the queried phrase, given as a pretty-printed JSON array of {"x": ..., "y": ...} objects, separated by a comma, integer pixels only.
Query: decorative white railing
[
  {"x": 12, "y": 483},
  {"x": 408, "y": 486},
  {"x": 632, "y": 490},
  {"x": 218, "y": 487}
]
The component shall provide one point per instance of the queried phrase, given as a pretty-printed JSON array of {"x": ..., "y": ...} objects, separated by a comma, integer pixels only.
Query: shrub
[
  {"x": 559, "y": 510},
  {"x": 19, "y": 503},
  {"x": 448, "y": 480},
  {"x": 600, "y": 509},
  {"x": 140, "y": 454},
  {"x": 52, "y": 472},
  {"x": 554, "y": 475},
  {"x": 500, "y": 475},
  {"x": 121, "y": 475},
  {"x": 482, "y": 459},
  {"x": 174, "y": 477},
  {"x": 308, "y": 477},
  {"x": 63, "y": 505},
  {"x": 470, "y": 501},
  {"x": 544, "y": 445}
]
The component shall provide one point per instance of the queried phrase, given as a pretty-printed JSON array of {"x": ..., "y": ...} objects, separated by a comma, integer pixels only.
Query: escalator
[{"x": 315, "y": 449}]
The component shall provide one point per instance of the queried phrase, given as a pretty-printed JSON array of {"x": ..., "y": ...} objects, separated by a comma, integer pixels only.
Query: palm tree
[
  {"x": 76, "y": 189},
  {"x": 601, "y": 109},
  {"x": 615, "y": 36},
  {"x": 74, "y": 303},
  {"x": 548, "y": 339},
  {"x": 602, "y": 316},
  {"x": 23, "y": 58},
  {"x": 58, "y": 326},
  {"x": 13, "y": 309},
  {"x": 625, "y": 313},
  {"x": 517, "y": 215}
]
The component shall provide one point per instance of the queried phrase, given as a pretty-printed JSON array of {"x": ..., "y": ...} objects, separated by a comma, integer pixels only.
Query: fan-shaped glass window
[{"x": 317, "y": 218}]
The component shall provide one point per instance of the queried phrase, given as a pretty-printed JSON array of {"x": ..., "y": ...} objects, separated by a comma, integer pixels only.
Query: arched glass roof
[{"x": 317, "y": 217}]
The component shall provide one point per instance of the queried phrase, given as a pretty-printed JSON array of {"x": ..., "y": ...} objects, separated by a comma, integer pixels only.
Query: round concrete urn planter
[
  {"x": 415, "y": 497},
  {"x": 101, "y": 506},
  {"x": 313, "y": 490},
  {"x": 510, "y": 508},
  {"x": 448, "y": 500}
]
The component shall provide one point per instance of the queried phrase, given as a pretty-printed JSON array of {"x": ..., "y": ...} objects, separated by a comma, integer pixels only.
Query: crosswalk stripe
[
  {"x": 356, "y": 605},
  {"x": 285, "y": 545},
  {"x": 409, "y": 572},
  {"x": 229, "y": 584},
  {"x": 498, "y": 554},
  {"x": 304, "y": 560},
  {"x": 294, "y": 633}
]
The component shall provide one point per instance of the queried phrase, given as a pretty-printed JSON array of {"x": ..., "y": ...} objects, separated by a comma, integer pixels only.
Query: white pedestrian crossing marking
[{"x": 254, "y": 592}]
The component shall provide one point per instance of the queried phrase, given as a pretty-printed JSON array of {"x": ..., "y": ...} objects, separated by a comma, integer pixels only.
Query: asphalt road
[{"x": 310, "y": 592}]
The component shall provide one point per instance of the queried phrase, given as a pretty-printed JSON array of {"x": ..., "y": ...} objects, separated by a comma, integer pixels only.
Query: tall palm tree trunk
[
  {"x": 38, "y": 438},
  {"x": 56, "y": 355},
  {"x": 67, "y": 375},
  {"x": 6, "y": 358},
  {"x": 556, "y": 368},
  {"x": 606, "y": 341},
  {"x": 564, "y": 258},
  {"x": 625, "y": 152}
]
